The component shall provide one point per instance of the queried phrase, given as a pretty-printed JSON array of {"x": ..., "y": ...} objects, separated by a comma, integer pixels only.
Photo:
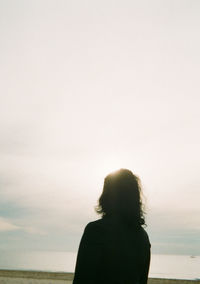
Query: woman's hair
[{"x": 121, "y": 198}]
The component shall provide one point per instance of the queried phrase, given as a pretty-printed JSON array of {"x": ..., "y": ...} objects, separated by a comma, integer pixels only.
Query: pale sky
[{"x": 88, "y": 87}]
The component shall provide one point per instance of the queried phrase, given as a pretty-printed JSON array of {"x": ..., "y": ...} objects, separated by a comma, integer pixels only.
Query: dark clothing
[{"x": 111, "y": 252}]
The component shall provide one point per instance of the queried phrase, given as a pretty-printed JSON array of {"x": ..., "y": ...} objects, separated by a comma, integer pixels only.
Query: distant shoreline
[{"x": 22, "y": 275}]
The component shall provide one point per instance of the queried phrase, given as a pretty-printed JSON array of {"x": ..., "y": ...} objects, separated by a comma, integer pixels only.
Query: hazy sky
[{"x": 88, "y": 87}]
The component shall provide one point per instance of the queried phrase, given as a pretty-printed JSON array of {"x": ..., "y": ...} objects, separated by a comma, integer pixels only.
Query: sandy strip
[{"x": 37, "y": 277}]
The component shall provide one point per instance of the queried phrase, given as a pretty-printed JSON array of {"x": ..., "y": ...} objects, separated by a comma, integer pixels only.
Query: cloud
[
  {"x": 6, "y": 225},
  {"x": 35, "y": 231}
]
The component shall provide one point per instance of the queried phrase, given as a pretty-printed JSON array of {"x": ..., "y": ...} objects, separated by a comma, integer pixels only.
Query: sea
[{"x": 162, "y": 266}]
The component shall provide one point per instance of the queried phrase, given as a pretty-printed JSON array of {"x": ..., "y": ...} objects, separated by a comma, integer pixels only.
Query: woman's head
[{"x": 121, "y": 197}]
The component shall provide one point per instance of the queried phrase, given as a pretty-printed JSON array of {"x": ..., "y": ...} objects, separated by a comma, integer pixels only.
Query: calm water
[{"x": 162, "y": 266}]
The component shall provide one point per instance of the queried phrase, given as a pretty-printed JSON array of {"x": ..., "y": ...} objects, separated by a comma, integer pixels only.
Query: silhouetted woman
[{"x": 115, "y": 249}]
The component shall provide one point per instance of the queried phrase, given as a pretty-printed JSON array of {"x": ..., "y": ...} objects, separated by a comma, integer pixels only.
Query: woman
[{"x": 115, "y": 249}]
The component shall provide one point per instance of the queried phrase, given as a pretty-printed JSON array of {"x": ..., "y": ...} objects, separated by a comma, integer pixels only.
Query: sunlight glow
[{"x": 109, "y": 165}]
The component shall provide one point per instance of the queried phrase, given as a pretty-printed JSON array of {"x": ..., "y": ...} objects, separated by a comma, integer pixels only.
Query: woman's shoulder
[
  {"x": 103, "y": 225},
  {"x": 94, "y": 225},
  {"x": 94, "y": 232}
]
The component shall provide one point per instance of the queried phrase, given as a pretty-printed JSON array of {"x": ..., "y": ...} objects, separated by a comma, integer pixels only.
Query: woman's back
[{"x": 112, "y": 252}]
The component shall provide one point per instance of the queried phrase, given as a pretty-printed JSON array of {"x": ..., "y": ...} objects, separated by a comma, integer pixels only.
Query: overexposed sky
[{"x": 88, "y": 87}]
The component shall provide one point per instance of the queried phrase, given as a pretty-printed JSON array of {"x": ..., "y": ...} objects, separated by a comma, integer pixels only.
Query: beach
[{"x": 37, "y": 277}]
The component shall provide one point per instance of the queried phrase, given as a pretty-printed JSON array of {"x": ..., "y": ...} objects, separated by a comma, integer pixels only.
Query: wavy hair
[{"x": 122, "y": 198}]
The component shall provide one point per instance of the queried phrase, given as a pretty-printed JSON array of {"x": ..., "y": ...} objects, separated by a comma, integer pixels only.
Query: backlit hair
[{"x": 121, "y": 198}]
